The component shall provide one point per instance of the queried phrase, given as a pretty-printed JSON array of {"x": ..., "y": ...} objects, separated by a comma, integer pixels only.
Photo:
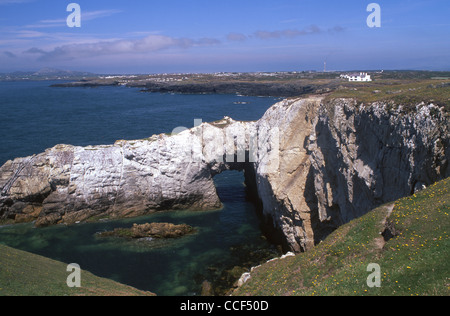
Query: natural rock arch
[{"x": 313, "y": 165}]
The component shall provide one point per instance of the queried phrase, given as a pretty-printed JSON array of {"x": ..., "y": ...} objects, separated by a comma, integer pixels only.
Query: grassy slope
[
  {"x": 416, "y": 262},
  {"x": 26, "y": 274},
  {"x": 399, "y": 92}
]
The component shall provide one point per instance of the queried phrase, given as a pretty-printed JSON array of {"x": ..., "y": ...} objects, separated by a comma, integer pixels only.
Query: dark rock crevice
[{"x": 334, "y": 161}]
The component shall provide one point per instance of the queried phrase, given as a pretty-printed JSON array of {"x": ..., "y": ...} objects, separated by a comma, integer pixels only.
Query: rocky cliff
[
  {"x": 340, "y": 159},
  {"x": 314, "y": 164}
]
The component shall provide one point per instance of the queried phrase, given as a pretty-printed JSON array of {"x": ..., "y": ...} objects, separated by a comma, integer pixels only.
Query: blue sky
[{"x": 137, "y": 36}]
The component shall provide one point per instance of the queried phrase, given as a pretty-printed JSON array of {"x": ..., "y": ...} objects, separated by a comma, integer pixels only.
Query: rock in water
[
  {"x": 314, "y": 164},
  {"x": 152, "y": 230},
  {"x": 207, "y": 289}
]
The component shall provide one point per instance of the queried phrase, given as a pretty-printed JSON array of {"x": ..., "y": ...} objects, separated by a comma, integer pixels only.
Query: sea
[{"x": 35, "y": 116}]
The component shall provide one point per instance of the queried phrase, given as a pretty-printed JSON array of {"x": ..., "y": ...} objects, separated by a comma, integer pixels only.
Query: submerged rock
[
  {"x": 207, "y": 289},
  {"x": 150, "y": 230},
  {"x": 314, "y": 165}
]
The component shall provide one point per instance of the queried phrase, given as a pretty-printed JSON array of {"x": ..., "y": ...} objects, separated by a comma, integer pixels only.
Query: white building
[{"x": 362, "y": 76}]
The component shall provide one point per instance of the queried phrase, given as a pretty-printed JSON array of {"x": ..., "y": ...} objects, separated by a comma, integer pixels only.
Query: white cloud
[
  {"x": 29, "y": 34},
  {"x": 290, "y": 33},
  {"x": 2, "y": 2},
  {"x": 236, "y": 37},
  {"x": 85, "y": 16},
  {"x": 9, "y": 54},
  {"x": 149, "y": 44}
]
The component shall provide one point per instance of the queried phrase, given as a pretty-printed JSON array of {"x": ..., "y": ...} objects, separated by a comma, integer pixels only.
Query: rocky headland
[
  {"x": 314, "y": 164},
  {"x": 282, "y": 84}
]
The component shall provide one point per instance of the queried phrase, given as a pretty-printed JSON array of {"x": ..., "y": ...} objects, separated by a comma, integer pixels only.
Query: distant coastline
[
  {"x": 289, "y": 84},
  {"x": 276, "y": 84}
]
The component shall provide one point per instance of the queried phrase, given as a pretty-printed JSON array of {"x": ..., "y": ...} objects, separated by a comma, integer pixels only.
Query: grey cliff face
[
  {"x": 366, "y": 156},
  {"x": 314, "y": 165}
]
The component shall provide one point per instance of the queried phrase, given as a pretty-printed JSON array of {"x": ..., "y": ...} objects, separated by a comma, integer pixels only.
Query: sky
[{"x": 172, "y": 36}]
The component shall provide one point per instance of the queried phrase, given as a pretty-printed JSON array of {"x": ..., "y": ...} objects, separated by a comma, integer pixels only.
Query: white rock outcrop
[{"x": 314, "y": 165}]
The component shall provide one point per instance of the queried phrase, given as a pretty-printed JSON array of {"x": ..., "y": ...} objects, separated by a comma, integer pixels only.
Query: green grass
[
  {"x": 26, "y": 274},
  {"x": 405, "y": 93},
  {"x": 415, "y": 262}
]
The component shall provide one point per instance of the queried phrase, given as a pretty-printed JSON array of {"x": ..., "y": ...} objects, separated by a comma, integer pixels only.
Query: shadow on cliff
[{"x": 364, "y": 161}]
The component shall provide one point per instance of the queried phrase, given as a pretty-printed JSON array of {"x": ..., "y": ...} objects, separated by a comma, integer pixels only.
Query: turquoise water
[
  {"x": 36, "y": 117},
  {"x": 222, "y": 241}
]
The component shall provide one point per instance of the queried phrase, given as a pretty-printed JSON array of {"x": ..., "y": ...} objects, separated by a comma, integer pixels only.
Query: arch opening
[{"x": 236, "y": 184}]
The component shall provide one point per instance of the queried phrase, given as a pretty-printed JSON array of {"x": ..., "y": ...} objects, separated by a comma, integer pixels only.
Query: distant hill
[
  {"x": 59, "y": 72},
  {"x": 46, "y": 74}
]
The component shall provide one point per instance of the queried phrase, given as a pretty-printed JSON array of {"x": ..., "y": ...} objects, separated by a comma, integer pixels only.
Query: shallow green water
[
  {"x": 224, "y": 239},
  {"x": 36, "y": 116}
]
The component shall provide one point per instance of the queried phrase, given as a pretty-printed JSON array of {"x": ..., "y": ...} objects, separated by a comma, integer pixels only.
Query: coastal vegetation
[
  {"x": 413, "y": 256},
  {"x": 354, "y": 135},
  {"x": 408, "y": 239},
  {"x": 26, "y": 274},
  {"x": 401, "y": 93}
]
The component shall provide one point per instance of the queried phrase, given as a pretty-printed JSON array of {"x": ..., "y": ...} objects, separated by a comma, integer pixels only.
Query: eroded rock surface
[
  {"x": 150, "y": 230},
  {"x": 314, "y": 164}
]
